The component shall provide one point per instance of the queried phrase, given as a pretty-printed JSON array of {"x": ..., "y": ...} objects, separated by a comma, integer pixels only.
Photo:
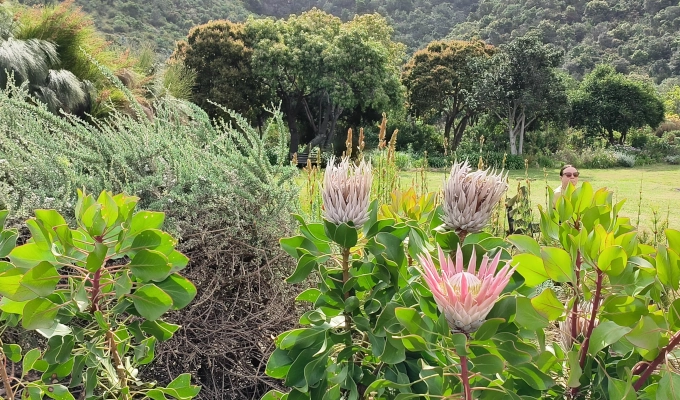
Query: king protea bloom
[
  {"x": 346, "y": 192},
  {"x": 469, "y": 197},
  {"x": 585, "y": 309},
  {"x": 465, "y": 297}
]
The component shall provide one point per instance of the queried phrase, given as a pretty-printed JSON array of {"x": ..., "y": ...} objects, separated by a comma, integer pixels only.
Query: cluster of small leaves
[
  {"x": 96, "y": 292},
  {"x": 377, "y": 333}
]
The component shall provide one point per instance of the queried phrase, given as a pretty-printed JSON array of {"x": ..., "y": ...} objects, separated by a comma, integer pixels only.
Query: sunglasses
[{"x": 569, "y": 174}]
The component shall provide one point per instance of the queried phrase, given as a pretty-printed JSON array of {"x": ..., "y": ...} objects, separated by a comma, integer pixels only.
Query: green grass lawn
[{"x": 659, "y": 184}]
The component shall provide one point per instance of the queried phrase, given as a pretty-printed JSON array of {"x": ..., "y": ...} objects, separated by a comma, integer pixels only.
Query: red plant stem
[
  {"x": 5, "y": 378},
  {"x": 465, "y": 378},
  {"x": 94, "y": 298},
  {"x": 574, "y": 309},
  {"x": 675, "y": 340},
  {"x": 591, "y": 324}
]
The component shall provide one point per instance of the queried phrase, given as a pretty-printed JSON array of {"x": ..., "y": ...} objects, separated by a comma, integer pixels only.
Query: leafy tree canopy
[
  {"x": 608, "y": 101},
  {"x": 520, "y": 86},
  {"x": 440, "y": 79}
]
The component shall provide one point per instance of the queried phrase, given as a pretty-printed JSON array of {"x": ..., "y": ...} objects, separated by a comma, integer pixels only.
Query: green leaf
[
  {"x": 151, "y": 302},
  {"x": 10, "y": 284},
  {"x": 95, "y": 259},
  {"x": 488, "y": 364},
  {"x": 548, "y": 305},
  {"x": 11, "y": 306},
  {"x": 672, "y": 235},
  {"x": 161, "y": 330},
  {"x": 41, "y": 279},
  {"x": 394, "y": 351},
  {"x": 150, "y": 265},
  {"x": 274, "y": 395},
  {"x": 59, "y": 392},
  {"x": 625, "y": 310},
  {"x": 533, "y": 376},
  {"x": 123, "y": 284},
  {"x": 8, "y": 240},
  {"x": 605, "y": 334},
  {"x": 12, "y": 351},
  {"x": 306, "y": 264},
  {"x": 575, "y": 370},
  {"x": 109, "y": 208},
  {"x": 144, "y": 220},
  {"x": 39, "y": 313},
  {"x": 557, "y": 264},
  {"x": 619, "y": 389},
  {"x": 525, "y": 244},
  {"x": 646, "y": 334},
  {"x": 488, "y": 328},
  {"x": 278, "y": 365},
  {"x": 180, "y": 289},
  {"x": 667, "y": 271},
  {"x": 411, "y": 319},
  {"x": 669, "y": 385},
  {"x": 310, "y": 295},
  {"x": 3, "y": 218},
  {"x": 344, "y": 235},
  {"x": 447, "y": 240},
  {"x": 527, "y": 317},
  {"x": 29, "y": 255},
  {"x": 531, "y": 268},
  {"x": 612, "y": 260},
  {"x": 153, "y": 239},
  {"x": 29, "y": 361}
]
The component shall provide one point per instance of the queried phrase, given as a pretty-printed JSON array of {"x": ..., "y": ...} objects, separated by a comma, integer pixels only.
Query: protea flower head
[
  {"x": 469, "y": 197},
  {"x": 346, "y": 191},
  {"x": 465, "y": 297}
]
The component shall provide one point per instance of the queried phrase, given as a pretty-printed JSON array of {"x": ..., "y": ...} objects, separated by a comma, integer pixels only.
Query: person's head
[{"x": 568, "y": 174}]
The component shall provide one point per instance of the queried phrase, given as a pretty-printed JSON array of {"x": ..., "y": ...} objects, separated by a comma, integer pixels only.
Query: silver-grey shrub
[{"x": 223, "y": 198}]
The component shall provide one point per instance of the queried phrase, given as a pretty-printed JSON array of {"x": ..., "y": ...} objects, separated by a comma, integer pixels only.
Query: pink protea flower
[
  {"x": 465, "y": 296},
  {"x": 346, "y": 192}
]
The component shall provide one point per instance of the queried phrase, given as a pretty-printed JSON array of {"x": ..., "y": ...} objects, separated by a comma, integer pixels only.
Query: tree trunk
[
  {"x": 290, "y": 109},
  {"x": 460, "y": 129},
  {"x": 610, "y": 132},
  {"x": 448, "y": 123}
]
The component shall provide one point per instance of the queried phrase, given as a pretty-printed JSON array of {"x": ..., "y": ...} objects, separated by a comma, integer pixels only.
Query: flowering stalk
[{"x": 465, "y": 378}]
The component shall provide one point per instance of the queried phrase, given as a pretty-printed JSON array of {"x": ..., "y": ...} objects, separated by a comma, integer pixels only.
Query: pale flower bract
[
  {"x": 465, "y": 296},
  {"x": 346, "y": 192},
  {"x": 469, "y": 197}
]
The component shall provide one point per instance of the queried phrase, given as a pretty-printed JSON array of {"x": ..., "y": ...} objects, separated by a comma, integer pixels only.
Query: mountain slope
[{"x": 638, "y": 36}]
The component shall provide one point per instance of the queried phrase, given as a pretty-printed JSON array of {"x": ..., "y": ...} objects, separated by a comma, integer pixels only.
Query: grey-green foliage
[{"x": 176, "y": 161}]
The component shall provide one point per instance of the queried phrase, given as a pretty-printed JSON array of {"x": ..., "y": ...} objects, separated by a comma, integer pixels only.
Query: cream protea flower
[
  {"x": 465, "y": 297},
  {"x": 346, "y": 191},
  {"x": 469, "y": 197}
]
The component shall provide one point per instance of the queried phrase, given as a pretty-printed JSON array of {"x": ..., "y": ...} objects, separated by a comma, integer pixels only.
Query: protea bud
[
  {"x": 567, "y": 339},
  {"x": 465, "y": 297},
  {"x": 469, "y": 197},
  {"x": 346, "y": 191}
]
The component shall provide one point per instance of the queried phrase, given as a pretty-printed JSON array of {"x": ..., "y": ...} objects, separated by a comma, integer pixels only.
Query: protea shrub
[
  {"x": 346, "y": 192},
  {"x": 465, "y": 296},
  {"x": 470, "y": 197}
]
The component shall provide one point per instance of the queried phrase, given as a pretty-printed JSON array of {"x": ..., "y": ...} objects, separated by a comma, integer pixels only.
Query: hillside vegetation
[
  {"x": 635, "y": 36},
  {"x": 638, "y": 36}
]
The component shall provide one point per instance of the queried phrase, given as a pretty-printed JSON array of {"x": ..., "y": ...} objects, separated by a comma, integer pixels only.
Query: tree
[
  {"x": 520, "y": 86},
  {"x": 220, "y": 53},
  {"x": 608, "y": 101},
  {"x": 319, "y": 67},
  {"x": 439, "y": 81}
]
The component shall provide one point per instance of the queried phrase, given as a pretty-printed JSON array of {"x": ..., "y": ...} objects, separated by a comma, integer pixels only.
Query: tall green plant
[{"x": 97, "y": 293}]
